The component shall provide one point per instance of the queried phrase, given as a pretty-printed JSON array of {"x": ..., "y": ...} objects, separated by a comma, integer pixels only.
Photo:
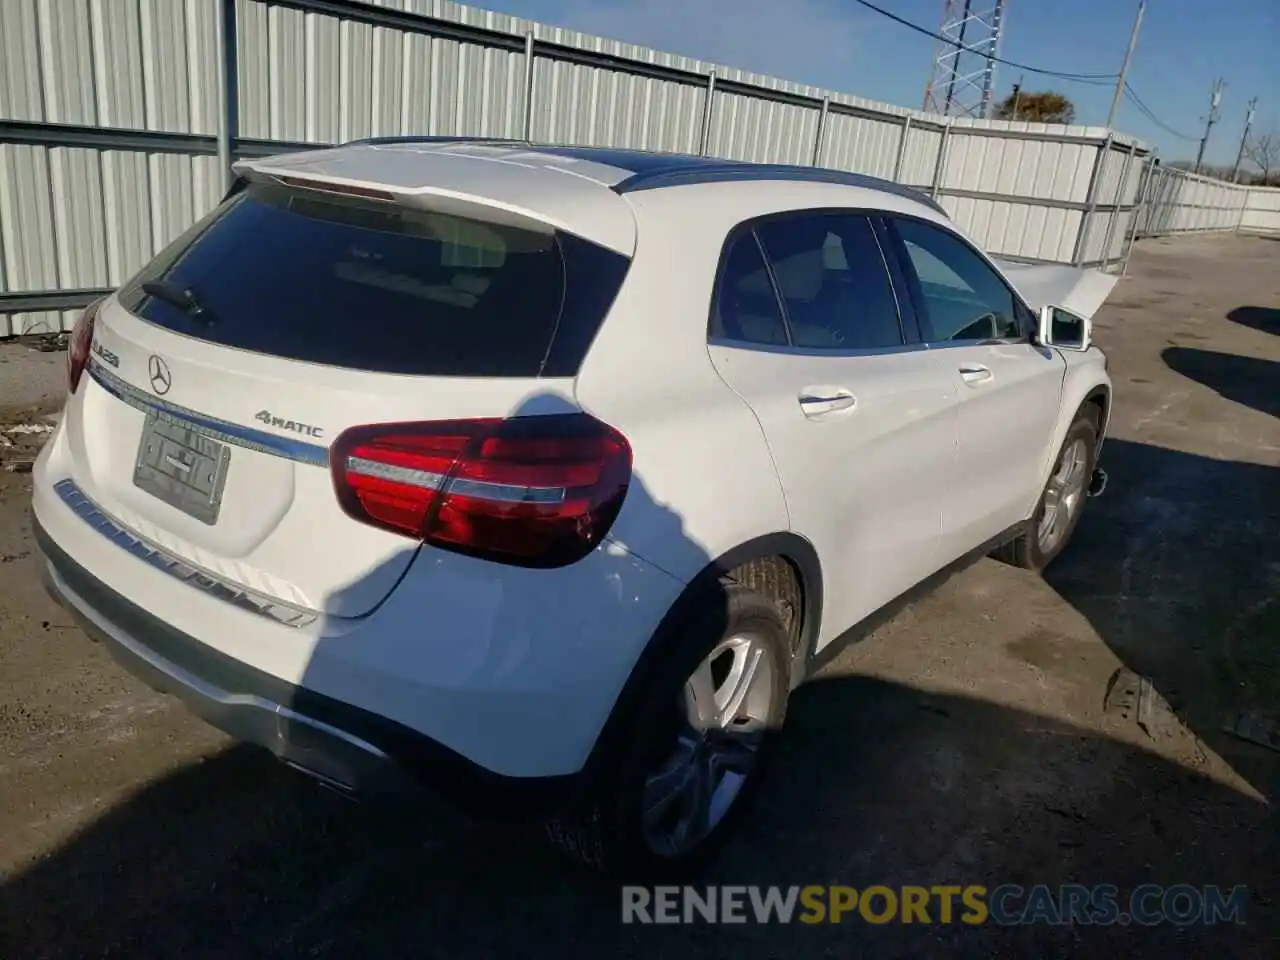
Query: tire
[
  {"x": 609, "y": 832},
  {"x": 1029, "y": 550}
]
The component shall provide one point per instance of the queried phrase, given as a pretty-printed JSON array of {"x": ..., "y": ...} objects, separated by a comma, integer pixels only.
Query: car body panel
[
  {"x": 867, "y": 485},
  {"x": 487, "y": 659},
  {"x": 1005, "y": 426},
  {"x": 275, "y": 503},
  {"x": 518, "y": 669}
]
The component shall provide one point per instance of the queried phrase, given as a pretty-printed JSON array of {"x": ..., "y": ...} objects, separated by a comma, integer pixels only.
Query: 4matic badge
[{"x": 280, "y": 423}]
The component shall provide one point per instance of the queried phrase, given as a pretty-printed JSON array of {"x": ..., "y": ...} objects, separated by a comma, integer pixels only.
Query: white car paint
[
  {"x": 1005, "y": 422},
  {"x": 518, "y": 669},
  {"x": 519, "y": 187}
]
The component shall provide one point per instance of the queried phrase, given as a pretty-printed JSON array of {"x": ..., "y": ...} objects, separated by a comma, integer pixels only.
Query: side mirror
[{"x": 1064, "y": 330}]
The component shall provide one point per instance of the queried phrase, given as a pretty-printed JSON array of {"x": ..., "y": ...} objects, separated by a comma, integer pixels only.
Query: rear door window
[
  {"x": 833, "y": 281},
  {"x": 746, "y": 307},
  {"x": 380, "y": 287}
]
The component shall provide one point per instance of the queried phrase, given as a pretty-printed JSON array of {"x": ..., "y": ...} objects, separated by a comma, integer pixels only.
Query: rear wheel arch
[{"x": 782, "y": 565}]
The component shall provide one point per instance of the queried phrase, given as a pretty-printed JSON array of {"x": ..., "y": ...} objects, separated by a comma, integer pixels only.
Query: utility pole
[
  {"x": 1244, "y": 139},
  {"x": 1017, "y": 98},
  {"x": 1124, "y": 69},
  {"x": 1215, "y": 98}
]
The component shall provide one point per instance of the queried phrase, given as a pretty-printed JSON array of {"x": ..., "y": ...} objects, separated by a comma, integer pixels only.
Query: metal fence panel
[
  {"x": 1023, "y": 168},
  {"x": 26, "y": 216},
  {"x": 79, "y": 222},
  {"x": 21, "y": 95},
  {"x": 1016, "y": 230},
  {"x": 1262, "y": 209},
  {"x": 862, "y": 143},
  {"x": 921, "y": 156},
  {"x": 748, "y": 128},
  {"x": 1179, "y": 201},
  {"x": 642, "y": 112},
  {"x": 96, "y": 200},
  {"x": 126, "y": 63}
]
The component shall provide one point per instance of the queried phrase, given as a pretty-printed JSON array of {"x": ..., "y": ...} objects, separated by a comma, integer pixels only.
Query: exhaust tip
[{"x": 1097, "y": 483}]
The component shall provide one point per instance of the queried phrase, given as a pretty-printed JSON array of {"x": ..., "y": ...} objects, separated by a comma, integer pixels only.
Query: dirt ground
[{"x": 964, "y": 742}]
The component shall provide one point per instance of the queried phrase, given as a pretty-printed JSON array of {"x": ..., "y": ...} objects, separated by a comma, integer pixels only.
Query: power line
[
  {"x": 1081, "y": 77},
  {"x": 1150, "y": 115}
]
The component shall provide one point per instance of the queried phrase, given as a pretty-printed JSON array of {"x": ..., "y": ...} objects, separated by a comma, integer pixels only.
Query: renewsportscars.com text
[{"x": 974, "y": 904}]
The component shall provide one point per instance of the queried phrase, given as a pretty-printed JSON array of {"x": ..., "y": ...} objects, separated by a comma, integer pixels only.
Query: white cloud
[{"x": 792, "y": 39}]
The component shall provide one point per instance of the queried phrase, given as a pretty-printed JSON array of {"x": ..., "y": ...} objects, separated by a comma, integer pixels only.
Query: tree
[
  {"x": 1045, "y": 107},
  {"x": 1263, "y": 151}
]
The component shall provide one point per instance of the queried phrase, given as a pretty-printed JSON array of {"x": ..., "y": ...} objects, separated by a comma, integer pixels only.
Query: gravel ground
[
  {"x": 966, "y": 741},
  {"x": 29, "y": 376}
]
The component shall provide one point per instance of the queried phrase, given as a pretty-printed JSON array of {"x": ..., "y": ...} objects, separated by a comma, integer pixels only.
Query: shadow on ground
[
  {"x": 878, "y": 783},
  {"x": 1251, "y": 381},
  {"x": 1266, "y": 319},
  {"x": 1178, "y": 570}
]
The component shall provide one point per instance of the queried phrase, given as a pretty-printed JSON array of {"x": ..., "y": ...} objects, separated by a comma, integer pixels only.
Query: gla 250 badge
[
  {"x": 280, "y": 423},
  {"x": 105, "y": 355}
]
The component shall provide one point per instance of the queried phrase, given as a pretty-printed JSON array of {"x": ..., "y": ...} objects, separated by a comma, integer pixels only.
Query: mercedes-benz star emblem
[{"x": 161, "y": 378}]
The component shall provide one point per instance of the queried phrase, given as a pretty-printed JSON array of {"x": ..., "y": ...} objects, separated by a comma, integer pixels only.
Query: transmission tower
[{"x": 964, "y": 68}]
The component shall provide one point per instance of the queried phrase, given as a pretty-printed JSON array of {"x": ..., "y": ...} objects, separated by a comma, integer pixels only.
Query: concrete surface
[{"x": 964, "y": 742}]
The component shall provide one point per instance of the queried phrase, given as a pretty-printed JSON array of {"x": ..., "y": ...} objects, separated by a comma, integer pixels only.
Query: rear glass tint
[{"x": 380, "y": 287}]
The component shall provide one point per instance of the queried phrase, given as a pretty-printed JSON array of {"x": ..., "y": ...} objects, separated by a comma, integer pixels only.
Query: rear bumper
[{"x": 348, "y": 748}]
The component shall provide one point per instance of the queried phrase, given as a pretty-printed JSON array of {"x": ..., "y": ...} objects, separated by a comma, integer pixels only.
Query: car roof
[
  {"x": 633, "y": 170},
  {"x": 555, "y": 184}
]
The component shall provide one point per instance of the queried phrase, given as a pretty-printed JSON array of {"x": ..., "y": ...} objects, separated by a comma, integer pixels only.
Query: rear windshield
[{"x": 380, "y": 287}]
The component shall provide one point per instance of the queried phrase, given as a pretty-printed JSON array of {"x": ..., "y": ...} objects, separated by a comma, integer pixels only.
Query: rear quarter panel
[{"x": 704, "y": 481}]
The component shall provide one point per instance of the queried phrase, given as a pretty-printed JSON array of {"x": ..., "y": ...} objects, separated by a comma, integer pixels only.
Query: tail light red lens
[
  {"x": 539, "y": 491},
  {"x": 78, "y": 346}
]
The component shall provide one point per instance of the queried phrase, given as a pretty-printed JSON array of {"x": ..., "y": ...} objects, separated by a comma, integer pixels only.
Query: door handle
[
  {"x": 819, "y": 401},
  {"x": 975, "y": 374}
]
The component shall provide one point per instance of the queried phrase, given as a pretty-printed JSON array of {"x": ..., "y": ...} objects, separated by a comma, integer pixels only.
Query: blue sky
[{"x": 1183, "y": 46}]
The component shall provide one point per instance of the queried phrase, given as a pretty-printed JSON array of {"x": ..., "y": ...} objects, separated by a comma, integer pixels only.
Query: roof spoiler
[{"x": 613, "y": 228}]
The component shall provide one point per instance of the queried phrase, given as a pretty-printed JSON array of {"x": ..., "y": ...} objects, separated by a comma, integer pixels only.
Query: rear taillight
[
  {"x": 539, "y": 491},
  {"x": 78, "y": 346}
]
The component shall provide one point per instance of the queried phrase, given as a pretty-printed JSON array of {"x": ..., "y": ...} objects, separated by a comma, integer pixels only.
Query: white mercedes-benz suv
[{"x": 539, "y": 476}]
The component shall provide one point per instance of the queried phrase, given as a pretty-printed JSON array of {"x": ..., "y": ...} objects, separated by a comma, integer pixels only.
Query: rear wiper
[{"x": 184, "y": 299}]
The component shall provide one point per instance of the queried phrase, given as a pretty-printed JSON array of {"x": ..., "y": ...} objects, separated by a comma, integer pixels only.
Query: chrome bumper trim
[{"x": 161, "y": 559}]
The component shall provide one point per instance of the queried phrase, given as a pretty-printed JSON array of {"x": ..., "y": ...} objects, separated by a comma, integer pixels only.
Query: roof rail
[
  {"x": 684, "y": 169},
  {"x": 736, "y": 171},
  {"x": 381, "y": 141}
]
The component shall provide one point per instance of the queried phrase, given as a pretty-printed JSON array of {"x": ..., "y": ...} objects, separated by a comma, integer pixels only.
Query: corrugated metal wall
[
  {"x": 1262, "y": 209},
  {"x": 1178, "y": 201},
  {"x": 134, "y": 89}
]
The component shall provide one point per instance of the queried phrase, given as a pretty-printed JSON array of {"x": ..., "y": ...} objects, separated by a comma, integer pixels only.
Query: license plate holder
[{"x": 182, "y": 467}]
